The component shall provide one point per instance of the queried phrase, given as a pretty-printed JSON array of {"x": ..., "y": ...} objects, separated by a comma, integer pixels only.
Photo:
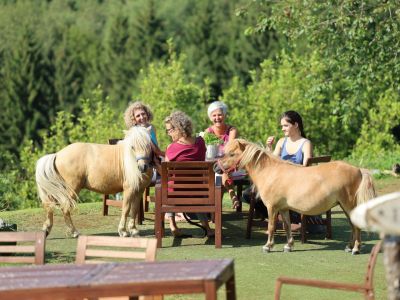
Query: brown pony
[
  {"x": 105, "y": 169},
  {"x": 284, "y": 186}
]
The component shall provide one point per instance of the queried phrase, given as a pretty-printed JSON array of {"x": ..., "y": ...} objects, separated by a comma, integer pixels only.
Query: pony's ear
[{"x": 242, "y": 144}]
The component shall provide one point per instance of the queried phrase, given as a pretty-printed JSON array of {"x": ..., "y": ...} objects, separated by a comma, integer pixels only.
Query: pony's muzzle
[{"x": 143, "y": 167}]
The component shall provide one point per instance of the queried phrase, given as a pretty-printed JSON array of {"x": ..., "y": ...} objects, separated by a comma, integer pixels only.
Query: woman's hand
[{"x": 270, "y": 142}]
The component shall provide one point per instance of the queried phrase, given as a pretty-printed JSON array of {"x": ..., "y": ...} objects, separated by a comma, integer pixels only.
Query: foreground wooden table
[{"x": 118, "y": 279}]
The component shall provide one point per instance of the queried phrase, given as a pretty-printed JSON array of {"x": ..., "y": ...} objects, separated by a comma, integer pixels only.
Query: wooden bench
[{"x": 188, "y": 187}]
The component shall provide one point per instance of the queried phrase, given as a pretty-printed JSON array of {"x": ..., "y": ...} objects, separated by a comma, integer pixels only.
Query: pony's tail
[
  {"x": 366, "y": 189},
  {"x": 52, "y": 188}
]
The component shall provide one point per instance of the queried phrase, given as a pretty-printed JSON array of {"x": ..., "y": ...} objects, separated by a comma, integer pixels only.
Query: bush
[
  {"x": 165, "y": 88},
  {"x": 377, "y": 147}
]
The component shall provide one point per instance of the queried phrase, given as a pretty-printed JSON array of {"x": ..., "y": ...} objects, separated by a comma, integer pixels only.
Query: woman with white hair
[{"x": 217, "y": 112}]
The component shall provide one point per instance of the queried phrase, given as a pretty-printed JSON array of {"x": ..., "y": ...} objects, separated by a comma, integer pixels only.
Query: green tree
[
  {"x": 27, "y": 80},
  {"x": 165, "y": 88}
]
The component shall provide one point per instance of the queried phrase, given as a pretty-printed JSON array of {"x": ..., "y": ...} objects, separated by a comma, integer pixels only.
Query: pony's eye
[{"x": 231, "y": 154}]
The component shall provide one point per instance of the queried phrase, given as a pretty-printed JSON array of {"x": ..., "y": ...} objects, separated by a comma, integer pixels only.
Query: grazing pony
[
  {"x": 105, "y": 169},
  {"x": 284, "y": 186}
]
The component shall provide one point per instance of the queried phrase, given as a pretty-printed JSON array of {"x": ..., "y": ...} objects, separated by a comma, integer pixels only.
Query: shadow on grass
[{"x": 235, "y": 225}]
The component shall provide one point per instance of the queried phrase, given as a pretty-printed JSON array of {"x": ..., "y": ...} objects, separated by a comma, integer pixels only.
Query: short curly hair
[
  {"x": 181, "y": 122},
  {"x": 129, "y": 113}
]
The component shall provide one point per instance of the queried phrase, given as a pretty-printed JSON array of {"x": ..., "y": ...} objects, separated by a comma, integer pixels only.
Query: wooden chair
[
  {"x": 144, "y": 205},
  {"x": 366, "y": 288},
  {"x": 103, "y": 249},
  {"x": 22, "y": 247},
  {"x": 305, "y": 220},
  {"x": 188, "y": 187},
  {"x": 100, "y": 249}
]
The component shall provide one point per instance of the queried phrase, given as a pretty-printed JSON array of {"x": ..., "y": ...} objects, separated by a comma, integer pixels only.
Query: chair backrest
[
  {"x": 183, "y": 180},
  {"x": 317, "y": 160},
  {"x": 113, "y": 141},
  {"x": 22, "y": 247},
  {"x": 371, "y": 265},
  {"x": 101, "y": 249}
]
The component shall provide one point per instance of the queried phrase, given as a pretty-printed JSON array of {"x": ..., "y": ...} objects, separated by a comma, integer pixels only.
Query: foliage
[
  {"x": 53, "y": 53},
  {"x": 354, "y": 46},
  {"x": 290, "y": 83},
  {"x": 376, "y": 146},
  {"x": 210, "y": 138},
  {"x": 165, "y": 88}
]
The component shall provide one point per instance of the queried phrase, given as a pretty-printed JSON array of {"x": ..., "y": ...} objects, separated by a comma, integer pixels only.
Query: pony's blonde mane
[
  {"x": 137, "y": 140},
  {"x": 257, "y": 155}
]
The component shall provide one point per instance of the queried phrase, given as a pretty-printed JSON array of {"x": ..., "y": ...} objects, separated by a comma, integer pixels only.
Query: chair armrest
[{"x": 318, "y": 284}]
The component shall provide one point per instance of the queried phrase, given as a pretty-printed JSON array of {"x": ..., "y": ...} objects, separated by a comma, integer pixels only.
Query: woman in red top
[
  {"x": 184, "y": 147},
  {"x": 217, "y": 111}
]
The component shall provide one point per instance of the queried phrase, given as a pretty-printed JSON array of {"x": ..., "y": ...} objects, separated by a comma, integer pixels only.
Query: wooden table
[{"x": 72, "y": 281}]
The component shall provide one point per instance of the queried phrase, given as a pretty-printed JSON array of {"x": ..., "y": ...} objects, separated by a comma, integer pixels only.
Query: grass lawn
[{"x": 255, "y": 271}]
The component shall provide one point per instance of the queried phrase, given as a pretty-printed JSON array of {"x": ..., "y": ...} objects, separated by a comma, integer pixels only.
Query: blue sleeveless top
[
  {"x": 296, "y": 158},
  {"x": 153, "y": 136}
]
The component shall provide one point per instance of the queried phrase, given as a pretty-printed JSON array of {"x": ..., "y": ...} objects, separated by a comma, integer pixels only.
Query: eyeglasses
[{"x": 168, "y": 130}]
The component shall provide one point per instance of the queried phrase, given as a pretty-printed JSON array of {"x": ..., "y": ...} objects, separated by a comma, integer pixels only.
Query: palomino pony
[
  {"x": 284, "y": 186},
  {"x": 105, "y": 169}
]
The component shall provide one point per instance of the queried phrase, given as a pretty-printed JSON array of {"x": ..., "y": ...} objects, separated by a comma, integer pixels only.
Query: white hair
[{"x": 217, "y": 105}]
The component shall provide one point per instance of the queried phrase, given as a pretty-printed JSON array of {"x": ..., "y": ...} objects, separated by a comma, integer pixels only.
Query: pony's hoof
[
  {"x": 75, "y": 234},
  {"x": 266, "y": 249},
  {"x": 355, "y": 252},
  {"x": 47, "y": 232},
  {"x": 123, "y": 234},
  {"x": 347, "y": 249},
  {"x": 287, "y": 249},
  {"x": 134, "y": 232}
]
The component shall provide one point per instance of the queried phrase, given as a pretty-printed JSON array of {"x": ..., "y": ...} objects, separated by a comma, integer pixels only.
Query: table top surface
[{"x": 136, "y": 273}]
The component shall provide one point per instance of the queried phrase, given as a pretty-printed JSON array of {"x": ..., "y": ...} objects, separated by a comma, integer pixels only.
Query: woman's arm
[
  {"x": 233, "y": 134},
  {"x": 154, "y": 147},
  {"x": 307, "y": 151},
  {"x": 278, "y": 147}
]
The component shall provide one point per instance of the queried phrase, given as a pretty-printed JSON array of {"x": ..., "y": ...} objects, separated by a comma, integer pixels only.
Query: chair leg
[
  {"x": 329, "y": 224},
  {"x": 303, "y": 228},
  {"x": 140, "y": 215},
  {"x": 251, "y": 216},
  {"x": 218, "y": 219},
  {"x": 105, "y": 206},
  {"x": 146, "y": 199},
  {"x": 159, "y": 220},
  {"x": 239, "y": 193}
]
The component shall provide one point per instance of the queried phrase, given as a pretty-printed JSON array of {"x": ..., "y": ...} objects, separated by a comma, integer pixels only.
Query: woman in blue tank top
[{"x": 294, "y": 146}]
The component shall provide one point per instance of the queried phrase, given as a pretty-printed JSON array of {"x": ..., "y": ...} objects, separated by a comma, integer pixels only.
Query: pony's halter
[{"x": 231, "y": 168}]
